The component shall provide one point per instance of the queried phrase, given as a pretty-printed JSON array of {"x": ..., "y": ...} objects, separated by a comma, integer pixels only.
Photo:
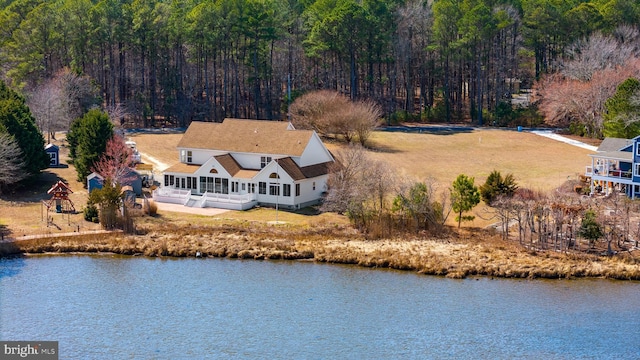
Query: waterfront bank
[{"x": 470, "y": 252}]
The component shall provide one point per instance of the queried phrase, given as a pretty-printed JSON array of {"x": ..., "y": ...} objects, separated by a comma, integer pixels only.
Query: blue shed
[
  {"x": 94, "y": 181},
  {"x": 54, "y": 154}
]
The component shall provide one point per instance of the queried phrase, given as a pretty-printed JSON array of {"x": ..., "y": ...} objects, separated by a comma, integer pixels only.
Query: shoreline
[{"x": 462, "y": 255}]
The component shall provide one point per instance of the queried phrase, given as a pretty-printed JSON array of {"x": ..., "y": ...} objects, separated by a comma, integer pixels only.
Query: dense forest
[{"x": 168, "y": 62}]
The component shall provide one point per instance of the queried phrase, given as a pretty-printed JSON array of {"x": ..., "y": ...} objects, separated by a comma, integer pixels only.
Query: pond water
[{"x": 112, "y": 307}]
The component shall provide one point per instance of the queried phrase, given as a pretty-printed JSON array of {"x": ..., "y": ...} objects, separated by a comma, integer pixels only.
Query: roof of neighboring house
[
  {"x": 246, "y": 136},
  {"x": 51, "y": 146},
  {"x": 614, "y": 144},
  {"x": 183, "y": 168},
  {"x": 94, "y": 175},
  {"x": 615, "y": 155}
]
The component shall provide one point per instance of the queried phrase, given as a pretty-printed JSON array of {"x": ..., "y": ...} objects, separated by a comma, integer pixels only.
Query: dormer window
[
  {"x": 186, "y": 156},
  {"x": 264, "y": 160}
]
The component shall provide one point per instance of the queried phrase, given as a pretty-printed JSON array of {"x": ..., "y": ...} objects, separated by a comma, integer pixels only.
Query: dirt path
[{"x": 157, "y": 164}]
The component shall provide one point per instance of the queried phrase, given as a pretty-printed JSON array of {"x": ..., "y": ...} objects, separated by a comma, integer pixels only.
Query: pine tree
[
  {"x": 464, "y": 197},
  {"x": 17, "y": 121},
  {"x": 88, "y": 140}
]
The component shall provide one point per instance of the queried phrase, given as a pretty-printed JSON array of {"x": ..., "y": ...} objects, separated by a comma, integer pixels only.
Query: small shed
[
  {"x": 54, "y": 154},
  {"x": 94, "y": 181},
  {"x": 132, "y": 178}
]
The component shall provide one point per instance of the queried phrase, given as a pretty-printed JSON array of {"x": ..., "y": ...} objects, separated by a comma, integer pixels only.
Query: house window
[
  {"x": 638, "y": 148},
  {"x": 209, "y": 184},
  {"x": 234, "y": 187},
  {"x": 53, "y": 158},
  {"x": 203, "y": 184},
  {"x": 264, "y": 160},
  {"x": 252, "y": 188},
  {"x": 274, "y": 176},
  {"x": 286, "y": 189},
  {"x": 637, "y": 170},
  {"x": 194, "y": 183},
  {"x": 189, "y": 183},
  {"x": 243, "y": 187},
  {"x": 297, "y": 189},
  {"x": 186, "y": 156},
  {"x": 274, "y": 189},
  {"x": 182, "y": 184},
  {"x": 262, "y": 187},
  {"x": 166, "y": 180}
]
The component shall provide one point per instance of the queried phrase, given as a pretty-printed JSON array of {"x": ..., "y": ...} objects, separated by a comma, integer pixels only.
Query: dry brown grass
[
  {"x": 469, "y": 253},
  {"x": 535, "y": 161},
  {"x": 21, "y": 210}
]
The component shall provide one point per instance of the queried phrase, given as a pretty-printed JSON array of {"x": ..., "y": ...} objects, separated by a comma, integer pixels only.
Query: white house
[{"x": 238, "y": 164}]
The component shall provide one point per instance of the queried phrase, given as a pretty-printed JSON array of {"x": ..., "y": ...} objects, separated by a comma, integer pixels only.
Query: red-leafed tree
[{"x": 116, "y": 161}]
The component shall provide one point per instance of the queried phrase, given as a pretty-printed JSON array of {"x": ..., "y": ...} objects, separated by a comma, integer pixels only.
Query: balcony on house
[{"x": 610, "y": 172}]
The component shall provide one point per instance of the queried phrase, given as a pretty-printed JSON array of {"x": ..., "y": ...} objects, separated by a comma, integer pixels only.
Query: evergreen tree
[
  {"x": 464, "y": 197},
  {"x": 590, "y": 229},
  {"x": 89, "y": 135},
  {"x": 622, "y": 118},
  {"x": 496, "y": 185},
  {"x": 17, "y": 121}
]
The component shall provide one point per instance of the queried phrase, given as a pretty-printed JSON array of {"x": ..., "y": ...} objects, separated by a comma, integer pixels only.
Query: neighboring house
[
  {"x": 238, "y": 164},
  {"x": 54, "y": 155},
  {"x": 94, "y": 182},
  {"x": 131, "y": 179},
  {"x": 616, "y": 167}
]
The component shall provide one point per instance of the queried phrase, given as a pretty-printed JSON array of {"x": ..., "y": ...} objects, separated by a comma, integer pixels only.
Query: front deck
[{"x": 221, "y": 201}]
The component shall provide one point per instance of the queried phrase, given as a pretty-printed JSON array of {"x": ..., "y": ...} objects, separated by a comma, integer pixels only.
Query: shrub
[
  {"x": 90, "y": 213},
  {"x": 150, "y": 207}
]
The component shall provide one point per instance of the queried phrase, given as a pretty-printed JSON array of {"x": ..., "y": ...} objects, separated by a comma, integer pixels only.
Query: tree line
[{"x": 166, "y": 63}]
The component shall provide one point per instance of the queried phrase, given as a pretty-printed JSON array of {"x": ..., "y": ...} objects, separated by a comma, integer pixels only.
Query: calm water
[{"x": 109, "y": 307}]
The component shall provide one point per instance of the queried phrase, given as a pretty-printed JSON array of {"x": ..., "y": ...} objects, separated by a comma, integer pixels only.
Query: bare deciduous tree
[
  {"x": 358, "y": 185},
  {"x": 11, "y": 161},
  {"x": 60, "y": 100},
  {"x": 563, "y": 100},
  {"x": 331, "y": 114}
]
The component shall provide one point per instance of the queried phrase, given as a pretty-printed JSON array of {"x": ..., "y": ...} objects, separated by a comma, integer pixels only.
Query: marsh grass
[{"x": 470, "y": 253}]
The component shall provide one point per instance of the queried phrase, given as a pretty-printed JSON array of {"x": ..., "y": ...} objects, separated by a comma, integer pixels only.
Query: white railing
[
  {"x": 605, "y": 171},
  {"x": 170, "y": 195},
  {"x": 228, "y": 198},
  {"x": 225, "y": 201}
]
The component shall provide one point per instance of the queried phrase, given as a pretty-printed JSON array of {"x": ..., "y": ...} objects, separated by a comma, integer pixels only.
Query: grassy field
[{"x": 535, "y": 161}]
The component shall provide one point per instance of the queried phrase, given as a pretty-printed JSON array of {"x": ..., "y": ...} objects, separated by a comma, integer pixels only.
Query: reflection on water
[{"x": 112, "y": 307}]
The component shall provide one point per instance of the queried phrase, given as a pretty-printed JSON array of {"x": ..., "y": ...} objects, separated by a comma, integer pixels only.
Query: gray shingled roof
[{"x": 614, "y": 144}]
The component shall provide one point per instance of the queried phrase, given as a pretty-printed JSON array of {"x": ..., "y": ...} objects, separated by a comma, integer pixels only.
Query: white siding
[
  {"x": 315, "y": 152},
  {"x": 200, "y": 156}
]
